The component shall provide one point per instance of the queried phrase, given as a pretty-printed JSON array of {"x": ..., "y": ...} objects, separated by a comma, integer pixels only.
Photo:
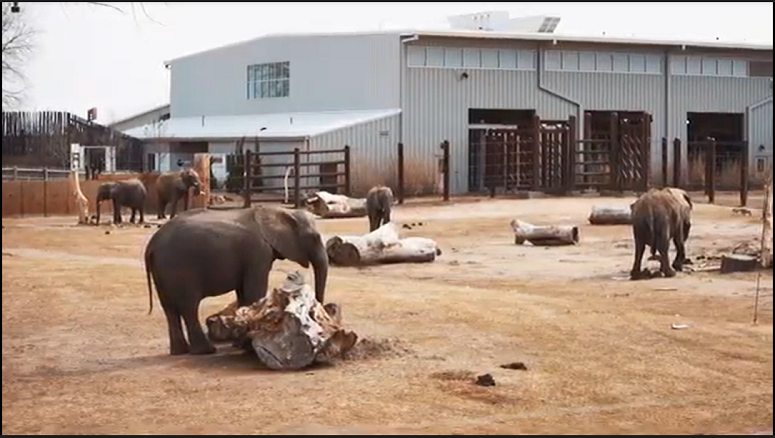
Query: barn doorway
[
  {"x": 727, "y": 131},
  {"x": 500, "y": 143}
]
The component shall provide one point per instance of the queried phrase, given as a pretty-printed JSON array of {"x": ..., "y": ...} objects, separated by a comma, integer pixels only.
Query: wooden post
[
  {"x": 445, "y": 169},
  {"x": 201, "y": 166},
  {"x": 711, "y": 165},
  {"x": 614, "y": 157},
  {"x": 536, "y": 125},
  {"x": 665, "y": 155},
  {"x": 400, "y": 173},
  {"x": 744, "y": 169},
  {"x": 45, "y": 192},
  {"x": 15, "y": 173},
  {"x": 347, "y": 180},
  {"x": 677, "y": 164},
  {"x": 296, "y": 178},
  {"x": 570, "y": 154},
  {"x": 247, "y": 178}
]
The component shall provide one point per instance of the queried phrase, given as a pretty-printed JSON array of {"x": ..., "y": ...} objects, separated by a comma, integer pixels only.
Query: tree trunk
[
  {"x": 610, "y": 216},
  {"x": 547, "y": 235},
  {"x": 382, "y": 246},
  {"x": 767, "y": 249},
  {"x": 81, "y": 203},
  {"x": 327, "y": 205},
  {"x": 201, "y": 166},
  {"x": 288, "y": 329}
]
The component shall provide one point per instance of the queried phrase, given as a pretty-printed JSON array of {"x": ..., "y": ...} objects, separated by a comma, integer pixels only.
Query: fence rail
[{"x": 35, "y": 174}]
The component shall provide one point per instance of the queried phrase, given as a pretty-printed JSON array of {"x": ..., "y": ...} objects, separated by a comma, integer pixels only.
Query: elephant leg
[
  {"x": 637, "y": 266},
  {"x": 654, "y": 257},
  {"x": 255, "y": 283},
  {"x": 162, "y": 207},
  {"x": 386, "y": 215},
  {"x": 98, "y": 212},
  {"x": 174, "y": 209},
  {"x": 116, "y": 212},
  {"x": 185, "y": 201},
  {"x": 373, "y": 221},
  {"x": 132, "y": 217},
  {"x": 200, "y": 343},
  {"x": 178, "y": 344},
  {"x": 680, "y": 256},
  {"x": 142, "y": 214},
  {"x": 664, "y": 257}
]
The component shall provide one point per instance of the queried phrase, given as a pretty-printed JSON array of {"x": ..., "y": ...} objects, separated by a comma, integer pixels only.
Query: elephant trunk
[
  {"x": 99, "y": 201},
  {"x": 319, "y": 261}
]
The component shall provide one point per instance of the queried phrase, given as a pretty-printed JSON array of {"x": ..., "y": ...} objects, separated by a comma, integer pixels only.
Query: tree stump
[
  {"x": 327, "y": 205},
  {"x": 381, "y": 246},
  {"x": 288, "y": 329},
  {"x": 602, "y": 215},
  {"x": 546, "y": 235},
  {"x": 738, "y": 263}
]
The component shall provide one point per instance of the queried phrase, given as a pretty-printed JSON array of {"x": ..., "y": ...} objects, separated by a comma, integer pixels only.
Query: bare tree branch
[{"x": 17, "y": 47}]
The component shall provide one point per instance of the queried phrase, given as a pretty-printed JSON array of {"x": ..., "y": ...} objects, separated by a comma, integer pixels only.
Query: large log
[
  {"x": 546, "y": 235},
  {"x": 81, "y": 203},
  {"x": 381, "y": 246},
  {"x": 288, "y": 329},
  {"x": 327, "y": 205},
  {"x": 610, "y": 215},
  {"x": 767, "y": 244}
]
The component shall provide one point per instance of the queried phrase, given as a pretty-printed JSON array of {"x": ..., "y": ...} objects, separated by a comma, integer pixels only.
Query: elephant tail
[{"x": 148, "y": 259}]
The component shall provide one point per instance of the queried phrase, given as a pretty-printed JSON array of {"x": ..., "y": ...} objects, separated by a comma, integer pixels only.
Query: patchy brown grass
[
  {"x": 80, "y": 355},
  {"x": 419, "y": 179}
]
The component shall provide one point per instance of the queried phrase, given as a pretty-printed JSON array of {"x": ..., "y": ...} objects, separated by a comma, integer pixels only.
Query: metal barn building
[{"x": 476, "y": 89}]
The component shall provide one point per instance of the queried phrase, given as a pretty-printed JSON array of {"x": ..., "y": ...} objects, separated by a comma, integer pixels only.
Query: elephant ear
[{"x": 284, "y": 232}]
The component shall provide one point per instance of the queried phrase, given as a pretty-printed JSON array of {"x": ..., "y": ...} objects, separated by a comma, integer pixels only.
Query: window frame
[{"x": 268, "y": 80}]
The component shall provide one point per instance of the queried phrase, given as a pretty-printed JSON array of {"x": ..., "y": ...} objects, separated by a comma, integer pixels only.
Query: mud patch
[
  {"x": 454, "y": 376},
  {"x": 378, "y": 349},
  {"x": 465, "y": 384}
]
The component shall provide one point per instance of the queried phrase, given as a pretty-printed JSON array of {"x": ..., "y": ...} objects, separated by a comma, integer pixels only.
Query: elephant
[
  {"x": 379, "y": 202},
  {"x": 172, "y": 186},
  {"x": 659, "y": 216},
  {"x": 129, "y": 193},
  {"x": 684, "y": 199},
  {"x": 204, "y": 253}
]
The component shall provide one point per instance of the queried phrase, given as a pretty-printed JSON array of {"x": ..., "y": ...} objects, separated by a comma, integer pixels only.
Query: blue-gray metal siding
[
  {"x": 760, "y": 135},
  {"x": 373, "y": 152},
  {"x": 348, "y": 72}
]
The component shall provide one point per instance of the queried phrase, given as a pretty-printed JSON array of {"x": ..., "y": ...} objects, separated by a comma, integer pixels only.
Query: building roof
[
  {"x": 285, "y": 126},
  {"x": 164, "y": 107},
  {"x": 532, "y": 36}
]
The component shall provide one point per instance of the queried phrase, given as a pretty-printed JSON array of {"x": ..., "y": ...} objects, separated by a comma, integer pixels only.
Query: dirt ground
[{"x": 81, "y": 355}]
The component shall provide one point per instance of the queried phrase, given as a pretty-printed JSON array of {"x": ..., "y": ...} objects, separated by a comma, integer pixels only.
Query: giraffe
[{"x": 81, "y": 203}]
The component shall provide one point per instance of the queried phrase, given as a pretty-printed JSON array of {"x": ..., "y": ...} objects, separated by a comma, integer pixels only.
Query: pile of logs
[
  {"x": 381, "y": 246},
  {"x": 288, "y": 329},
  {"x": 545, "y": 235},
  {"x": 327, "y": 205}
]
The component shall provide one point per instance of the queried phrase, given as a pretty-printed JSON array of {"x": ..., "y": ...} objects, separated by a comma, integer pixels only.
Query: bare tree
[{"x": 17, "y": 46}]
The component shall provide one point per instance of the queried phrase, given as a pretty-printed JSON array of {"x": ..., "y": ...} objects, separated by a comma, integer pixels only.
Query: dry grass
[
  {"x": 80, "y": 355},
  {"x": 419, "y": 179},
  {"x": 728, "y": 176}
]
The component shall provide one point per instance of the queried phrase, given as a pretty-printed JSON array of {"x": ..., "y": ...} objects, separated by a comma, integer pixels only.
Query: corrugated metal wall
[
  {"x": 760, "y": 134},
  {"x": 373, "y": 153}
]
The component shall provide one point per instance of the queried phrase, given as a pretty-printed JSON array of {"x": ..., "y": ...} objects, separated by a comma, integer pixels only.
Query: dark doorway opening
[
  {"x": 727, "y": 132},
  {"x": 478, "y": 116},
  {"x": 94, "y": 161},
  {"x": 150, "y": 162}
]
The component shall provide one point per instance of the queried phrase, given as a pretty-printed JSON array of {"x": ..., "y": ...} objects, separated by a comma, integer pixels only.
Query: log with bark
[
  {"x": 767, "y": 232},
  {"x": 610, "y": 216},
  {"x": 544, "y": 235},
  {"x": 288, "y": 329},
  {"x": 381, "y": 246},
  {"x": 327, "y": 205}
]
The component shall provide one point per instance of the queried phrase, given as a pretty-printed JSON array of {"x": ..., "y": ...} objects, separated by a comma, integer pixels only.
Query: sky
[{"x": 89, "y": 56}]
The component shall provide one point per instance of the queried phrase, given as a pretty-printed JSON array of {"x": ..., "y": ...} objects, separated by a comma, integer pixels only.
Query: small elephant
[
  {"x": 172, "y": 186},
  {"x": 659, "y": 216},
  {"x": 204, "y": 253},
  {"x": 379, "y": 203},
  {"x": 129, "y": 193}
]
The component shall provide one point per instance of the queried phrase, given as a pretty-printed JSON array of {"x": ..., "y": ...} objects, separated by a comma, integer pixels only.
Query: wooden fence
[{"x": 53, "y": 197}]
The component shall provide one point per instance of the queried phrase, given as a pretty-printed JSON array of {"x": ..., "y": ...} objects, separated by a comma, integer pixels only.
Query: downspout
[
  {"x": 401, "y": 73},
  {"x": 667, "y": 117},
  {"x": 549, "y": 91}
]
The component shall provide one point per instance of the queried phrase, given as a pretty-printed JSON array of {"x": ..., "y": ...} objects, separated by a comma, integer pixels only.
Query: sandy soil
[{"x": 81, "y": 355}]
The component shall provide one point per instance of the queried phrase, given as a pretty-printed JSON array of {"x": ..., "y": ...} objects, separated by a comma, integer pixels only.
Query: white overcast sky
[{"x": 88, "y": 56}]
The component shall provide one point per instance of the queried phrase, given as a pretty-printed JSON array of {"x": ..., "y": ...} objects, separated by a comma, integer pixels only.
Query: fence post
[
  {"x": 615, "y": 156},
  {"x": 744, "y": 169},
  {"x": 445, "y": 169},
  {"x": 570, "y": 155},
  {"x": 296, "y": 178},
  {"x": 45, "y": 192},
  {"x": 247, "y": 178},
  {"x": 665, "y": 164},
  {"x": 400, "y": 173},
  {"x": 677, "y": 164},
  {"x": 711, "y": 172},
  {"x": 347, "y": 180},
  {"x": 536, "y": 153},
  {"x": 15, "y": 173}
]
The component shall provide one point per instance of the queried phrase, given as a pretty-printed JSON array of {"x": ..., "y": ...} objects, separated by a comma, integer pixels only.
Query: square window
[
  {"x": 489, "y": 58},
  {"x": 570, "y": 61},
  {"x": 693, "y": 65},
  {"x": 621, "y": 63},
  {"x": 587, "y": 61},
  {"x": 453, "y": 58},
  {"x": 526, "y": 60},
  {"x": 637, "y": 63},
  {"x": 472, "y": 58},
  {"x": 653, "y": 63},
  {"x": 604, "y": 62},
  {"x": 553, "y": 60},
  {"x": 739, "y": 68},
  {"x": 415, "y": 56},
  {"x": 709, "y": 67},
  {"x": 508, "y": 59},
  {"x": 724, "y": 67},
  {"x": 434, "y": 57},
  {"x": 678, "y": 65}
]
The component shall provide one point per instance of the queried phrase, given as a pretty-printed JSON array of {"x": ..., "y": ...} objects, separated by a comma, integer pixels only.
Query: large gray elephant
[
  {"x": 172, "y": 186},
  {"x": 659, "y": 216},
  {"x": 203, "y": 253},
  {"x": 128, "y": 193},
  {"x": 379, "y": 203}
]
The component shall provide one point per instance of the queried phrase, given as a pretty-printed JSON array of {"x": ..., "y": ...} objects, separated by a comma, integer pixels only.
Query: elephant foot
[
  {"x": 179, "y": 349},
  {"x": 688, "y": 261},
  {"x": 203, "y": 349},
  {"x": 640, "y": 275},
  {"x": 669, "y": 273},
  {"x": 679, "y": 267}
]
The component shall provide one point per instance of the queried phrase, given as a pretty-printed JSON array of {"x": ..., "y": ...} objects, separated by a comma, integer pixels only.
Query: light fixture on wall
[{"x": 463, "y": 75}]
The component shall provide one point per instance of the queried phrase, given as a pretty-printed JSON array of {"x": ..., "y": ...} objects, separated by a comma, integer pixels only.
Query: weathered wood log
[
  {"x": 544, "y": 235},
  {"x": 81, "y": 203},
  {"x": 602, "y": 215},
  {"x": 381, "y": 246},
  {"x": 767, "y": 246},
  {"x": 738, "y": 263},
  {"x": 327, "y": 205},
  {"x": 288, "y": 329}
]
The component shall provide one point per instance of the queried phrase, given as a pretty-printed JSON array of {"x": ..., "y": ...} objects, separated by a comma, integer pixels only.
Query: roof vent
[{"x": 499, "y": 21}]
